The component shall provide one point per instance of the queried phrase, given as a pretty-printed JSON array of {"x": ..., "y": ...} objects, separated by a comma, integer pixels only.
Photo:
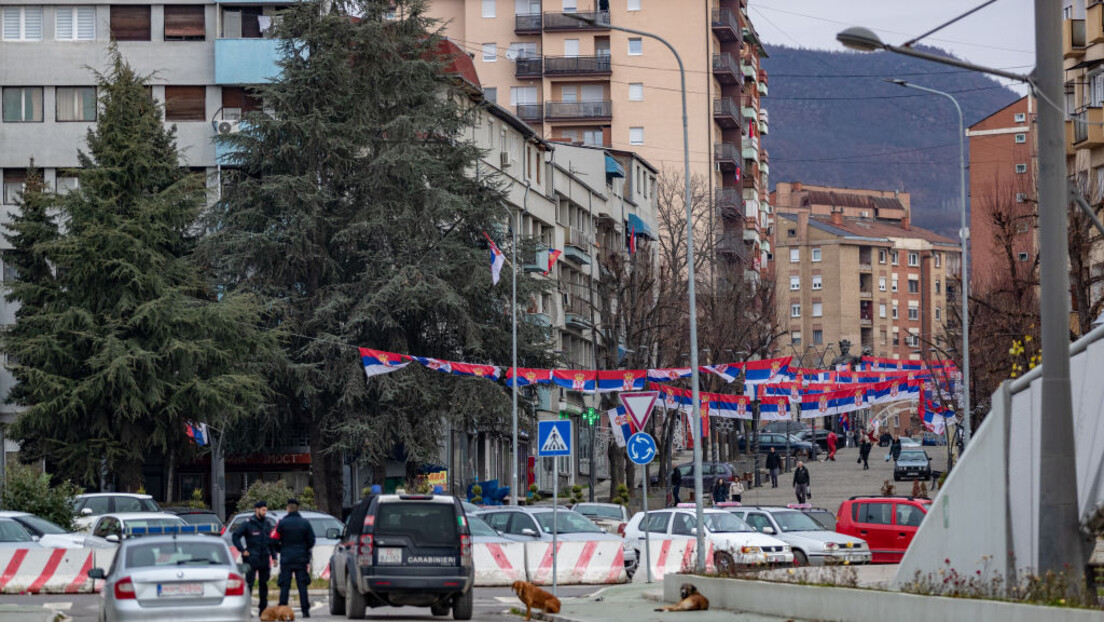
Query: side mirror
[
  {"x": 96, "y": 573},
  {"x": 768, "y": 530},
  {"x": 86, "y": 512},
  {"x": 112, "y": 538},
  {"x": 333, "y": 533},
  {"x": 693, "y": 531},
  {"x": 529, "y": 532},
  {"x": 35, "y": 538}
]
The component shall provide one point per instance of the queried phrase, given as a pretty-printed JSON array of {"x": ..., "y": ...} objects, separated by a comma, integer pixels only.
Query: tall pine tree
[
  {"x": 357, "y": 210},
  {"x": 120, "y": 341}
]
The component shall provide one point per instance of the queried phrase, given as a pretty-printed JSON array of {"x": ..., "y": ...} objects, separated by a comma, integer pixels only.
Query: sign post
[
  {"x": 554, "y": 441},
  {"x": 641, "y": 448}
]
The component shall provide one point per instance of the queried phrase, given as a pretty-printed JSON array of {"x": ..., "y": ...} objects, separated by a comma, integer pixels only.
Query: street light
[
  {"x": 695, "y": 379},
  {"x": 865, "y": 40}
]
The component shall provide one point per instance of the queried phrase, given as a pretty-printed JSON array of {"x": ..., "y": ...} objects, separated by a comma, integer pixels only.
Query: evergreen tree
[
  {"x": 125, "y": 342},
  {"x": 357, "y": 209}
]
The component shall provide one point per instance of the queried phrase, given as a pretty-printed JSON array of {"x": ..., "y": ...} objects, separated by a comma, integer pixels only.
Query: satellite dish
[{"x": 511, "y": 54}]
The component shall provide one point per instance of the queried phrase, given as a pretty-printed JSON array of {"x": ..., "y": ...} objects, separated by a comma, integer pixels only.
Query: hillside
[{"x": 833, "y": 121}]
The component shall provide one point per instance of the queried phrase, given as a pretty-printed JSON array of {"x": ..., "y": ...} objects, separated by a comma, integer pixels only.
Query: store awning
[{"x": 613, "y": 167}]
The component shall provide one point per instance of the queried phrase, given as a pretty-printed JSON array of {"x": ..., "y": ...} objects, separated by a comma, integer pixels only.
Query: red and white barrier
[
  {"x": 595, "y": 562},
  {"x": 672, "y": 556},
  {"x": 498, "y": 563},
  {"x": 45, "y": 571}
]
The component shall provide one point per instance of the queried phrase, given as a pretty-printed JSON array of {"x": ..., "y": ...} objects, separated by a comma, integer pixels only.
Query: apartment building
[
  {"x": 559, "y": 66},
  {"x": 796, "y": 197},
  {"x": 883, "y": 285}
]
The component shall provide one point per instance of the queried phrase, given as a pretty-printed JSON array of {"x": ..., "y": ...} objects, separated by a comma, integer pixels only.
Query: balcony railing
[
  {"x": 529, "y": 68},
  {"x": 577, "y": 65},
  {"x": 725, "y": 68},
  {"x": 1073, "y": 38},
  {"x": 527, "y": 24},
  {"x": 728, "y": 202},
  {"x": 726, "y": 154},
  {"x": 725, "y": 25},
  {"x": 726, "y": 112},
  {"x": 591, "y": 20},
  {"x": 578, "y": 110},
  {"x": 530, "y": 112}
]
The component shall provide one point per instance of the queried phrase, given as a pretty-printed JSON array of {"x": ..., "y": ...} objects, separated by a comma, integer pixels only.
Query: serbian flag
[
  {"x": 620, "y": 425},
  {"x": 889, "y": 391},
  {"x": 668, "y": 375},
  {"x": 479, "y": 371},
  {"x": 768, "y": 370},
  {"x": 834, "y": 403},
  {"x": 378, "y": 362},
  {"x": 812, "y": 375},
  {"x": 528, "y": 377},
  {"x": 196, "y": 432},
  {"x": 704, "y": 415},
  {"x": 845, "y": 422},
  {"x": 621, "y": 380},
  {"x": 497, "y": 259},
  {"x": 774, "y": 408},
  {"x": 580, "y": 380},
  {"x": 729, "y": 372},
  {"x": 434, "y": 364},
  {"x": 675, "y": 398},
  {"x": 632, "y": 239},
  {"x": 933, "y": 421},
  {"x": 553, "y": 255},
  {"x": 731, "y": 406}
]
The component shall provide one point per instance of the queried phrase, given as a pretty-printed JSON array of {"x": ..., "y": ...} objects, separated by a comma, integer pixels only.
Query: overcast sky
[{"x": 1000, "y": 35}]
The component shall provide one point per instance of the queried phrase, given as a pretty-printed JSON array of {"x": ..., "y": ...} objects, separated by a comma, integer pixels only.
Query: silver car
[
  {"x": 49, "y": 534},
  {"x": 609, "y": 516},
  {"x": 14, "y": 536},
  {"x": 536, "y": 523},
  {"x": 812, "y": 544},
  {"x": 173, "y": 578}
]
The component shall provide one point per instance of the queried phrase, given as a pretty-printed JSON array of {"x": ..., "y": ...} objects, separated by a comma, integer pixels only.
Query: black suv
[{"x": 404, "y": 550}]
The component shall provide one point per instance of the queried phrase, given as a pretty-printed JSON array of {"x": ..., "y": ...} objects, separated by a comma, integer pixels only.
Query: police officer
[
  {"x": 257, "y": 551},
  {"x": 295, "y": 540}
]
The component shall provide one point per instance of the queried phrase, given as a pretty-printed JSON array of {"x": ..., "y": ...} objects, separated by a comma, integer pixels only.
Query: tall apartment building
[{"x": 579, "y": 81}]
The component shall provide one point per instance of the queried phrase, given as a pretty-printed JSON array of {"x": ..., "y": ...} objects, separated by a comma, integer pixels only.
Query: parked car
[
  {"x": 785, "y": 427},
  {"x": 49, "y": 534},
  {"x": 912, "y": 464},
  {"x": 89, "y": 507},
  {"x": 886, "y": 523},
  {"x": 908, "y": 442},
  {"x": 182, "y": 577},
  {"x": 198, "y": 516},
  {"x": 934, "y": 440},
  {"x": 821, "y": 438},
  {"x": 482, "y": 533},
  {"x": 14, "y": 536},
  {"x": 798, "y": 446},
  {"x": 536, "y": 524},
  {"x": 710, "y": 472},
  {"x": 826, "y": 518},
  {"x": 611, "y": 517},
  {"x": 812, "y": 544},
  {"x": 115, "y": 528},
  {"x": 404, "y": 550},
  {"x": 327, "y": 529},
  {"x": 735, "y": 543}
]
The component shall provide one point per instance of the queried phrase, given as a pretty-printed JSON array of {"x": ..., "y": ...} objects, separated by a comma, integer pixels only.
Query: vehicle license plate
[
  {"x": 179, "y": 589},
  {"x": 390, "y": 556},
  {"x": 777, "y": 558}
]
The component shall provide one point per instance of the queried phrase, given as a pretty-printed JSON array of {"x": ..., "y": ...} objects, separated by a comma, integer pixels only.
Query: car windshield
[
  {"x": 479, "y": 528},
  {"x": 40, "y": 525},
  {"x": 913, "y": 456},
  {"x": 566, "y": 522},
  {"x": 11, "y": 531},
  {"x": 432, "y": 524},
  {"x": 723, "y": 522},
  {"x": 600, "y": 511},
  {"x": 323, "y": 523},
  {"x": 177, "y": 554},
  {"x": 796, "y": 521}
]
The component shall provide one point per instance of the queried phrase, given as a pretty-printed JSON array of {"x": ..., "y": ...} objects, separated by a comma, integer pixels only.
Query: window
[
  {"x": 881, "y": 283},
  {"x": 633, "y": 5},
  {"x": 795, "y": 337},
  {"x": 1022, "y": 256},
  {"x": 1021, "y": 168},
  {"x": 1021, "y": 138},
  {"x": 185, "y": 103},
  {"x": 656, "y": 522},
  {"x": 881, "y": 255},
  {"x": 22, "y": 104},
  {"x": 523, "y": 95},
  {"x": 248, "y": 22},
  {"x": 873, "y": 513},
  {"x": 130, "y": 23},
  {"x": 22, "y": 23},
  {"x": 527, "y": 7},
  {"x": 912, "y": 339},
  {"x": 795, "y": 310},
  {"x": 14, "y": 180},
  {"x": 75, "y": 23},
  {"x": 914, "y": 286},
  {"x": 896, "y": 336},
  {"x": 185, "y": 22},
  {"x": 884, "y": 337},
  {"x": 938, "y": 286},
  {"x": 818, "y": 309},
  {"x": 524, "y": 50},
  {"x": 914, "y": 314},
  {"x": 882, "y": 310},
  {"x": 570, "y": 6},
  {"x": 909, "y": 515},
  {"x": 636, "y": 92},
  {"x": 237, "y": 102},
  {"x": 895, "y": 312},
  {"x": 636, "y": 136},
  {"x": 488, "y": 8},
  {"x": 795, "y": 283},
  {"x": 795, "y": 255},
  {"x": 816, "y": 254},
  {"x": 490, "y": 93},
  {"x": 76, "y": 103},
  {"x": 1021, "y": 197},
  {"x": 914, "y": 259},
  {"x": 938, "y": 259},
  {"x": 893, "y": 287},
  {"x": 64, "y": 184},
  {"x": 818, "y": 282},
  {"x": 938, "y": 313},
  {"x": 1020, "y": 117},
  {"x": 818, "y": 337},
  {"x": 636, "y": 46},
  {"x": 791, "y": 232},
  {"x": 490, "y": 52}
]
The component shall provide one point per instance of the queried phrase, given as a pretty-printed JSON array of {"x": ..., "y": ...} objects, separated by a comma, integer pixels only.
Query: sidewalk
[{"x": 637, "y": 603}]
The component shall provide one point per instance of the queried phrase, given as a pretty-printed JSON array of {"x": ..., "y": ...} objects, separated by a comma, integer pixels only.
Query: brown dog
[
  {"x": 278, "y": 613},
  {"x": 691, "y": 600},
  {"x": 535, "y": 598}
]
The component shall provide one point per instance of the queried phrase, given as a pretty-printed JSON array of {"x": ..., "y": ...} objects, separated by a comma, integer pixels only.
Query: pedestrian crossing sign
[{"x": 554, "y": 438}]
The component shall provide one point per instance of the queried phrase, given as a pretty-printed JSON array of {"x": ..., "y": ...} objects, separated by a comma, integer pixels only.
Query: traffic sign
[
  {"x": 639, "y": 405},
  {"x": 641, "y": 448},
  {"x": 554, "y": 438}
]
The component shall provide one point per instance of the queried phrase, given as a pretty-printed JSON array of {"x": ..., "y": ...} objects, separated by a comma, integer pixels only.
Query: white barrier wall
[
  {"x": 577, "y": 563},
  {"x": 45, "y": 571},
  {"x": 672, "y": 556},
  {"x": 499, "y": 564}
]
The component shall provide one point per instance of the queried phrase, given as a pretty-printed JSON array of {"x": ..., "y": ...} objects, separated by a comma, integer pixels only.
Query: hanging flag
[
  {"x": 933, "y": 421},
  {"x": 730, "y": 406},
  {"x": 620, "y": 425},
  {"x": 668, "y": 375},
  {"x": 621, "y": 380},
  {"x": 729, "y": 372},
  {"x": 479, "y": 371},
  {"x": 575, "y": 379},
  {"x": 739, "y": 174},
  {"x": 553, "y": 255},
  {"x": 774, "y": 408},
  {"x": 765, "y": 371},
  {"x": 834, "y": 403},
  {"x": 196, "y": 432},
  {"x": 675, "y": 398},
  {"x": 378, "y": 362},
  {"x": 528, "y": 377},
  {"x": 434, "y": 364},
  {"x": 845, "y": 422},
  {"x": 894, "y": 390},
  {"x": 632, "y": 238},
  {"x": 497, "y": 260}
]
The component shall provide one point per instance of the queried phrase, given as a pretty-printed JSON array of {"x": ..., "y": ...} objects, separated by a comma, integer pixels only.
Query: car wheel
[
  {"x": 726, "y": 566},
  {"x": 337, "y": 601},
  {"x": 440, "y": 609},
  {"x": 800, "y": 559},
  {"x": 465, "y": 603},
  {"x": 355, "y": 602}
]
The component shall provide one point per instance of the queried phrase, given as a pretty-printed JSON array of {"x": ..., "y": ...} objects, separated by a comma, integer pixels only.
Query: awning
[
  {"x": 613, "y": 167},
  {"x": 641, "y": 227}
]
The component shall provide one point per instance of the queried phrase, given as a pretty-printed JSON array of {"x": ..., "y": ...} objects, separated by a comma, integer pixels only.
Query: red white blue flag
[
  {"x": 730, "y": 406},
  {"x": 378, "y": 362},
  {"x": 768, "y": 370},
  {"x": 497, "y": 260},
  {"x": 669, "y": 374},
  {"x": 553, "y": 255},
  {"x": 833, "y": 403},
  {"x": 197, "y": 432},
  {"x": 729, "y": 372},
  {"x": 529, "y": 377},
  {"x": 620, "y": 424},
  {"x": 621, "y": 380},
  {"x": 479, "y": 371},
  {"x": 579, "y": 380},
  {"x": 774, "y": 408}
]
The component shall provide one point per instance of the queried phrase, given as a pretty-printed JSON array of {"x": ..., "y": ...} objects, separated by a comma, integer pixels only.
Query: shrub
[
  {"x": 29, "y": 491},
  {"x": 477, "y": 494},
  {"x": 197, "y": 498},
  {"x": 275, "y": 494}
]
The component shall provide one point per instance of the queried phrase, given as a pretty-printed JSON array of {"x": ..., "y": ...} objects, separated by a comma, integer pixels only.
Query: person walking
[
  {"x": 895, "y": 448},
  {"x": 774, "y": 464},
  {"x": 676, "y": 483},
  {"x": 295, "y": 538},
  {"x": 832, "y": 440},
  {"x": 720, "y": 491},
  {"x": 252, "y": 539},
  {"x": 736, "y": 490},
  {"x": 864, "y": 452},
  {"x": 801, "y": 482}
]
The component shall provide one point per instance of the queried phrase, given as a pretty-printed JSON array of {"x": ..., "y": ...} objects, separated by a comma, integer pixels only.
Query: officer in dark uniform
[
  {"x": 257, "y": 550},
  {"x": 295, "y": 540}
]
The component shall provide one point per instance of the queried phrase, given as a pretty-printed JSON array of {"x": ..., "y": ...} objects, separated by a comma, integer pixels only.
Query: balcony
[
  {"x": 1094, "y": 23},
  {"x": 577, "y": 245},
  {"x": 577, "y": 65},
  {"x": 751, "y": 175},
  {"x": 527, "y": 24},
  {"x": 750, "y": 71},
  {"x": 1073, "y": 38},
  {"x": 866, "y": 295},
  {"x": 246, "y": 61},
  {"x": 764, "y": 121},
  {"x": 727, "y": 156},
  {"x": 578, "y": 111},
  {"x": 543, "y": 320},
  {"x": 1087, "y": 129},
  {"x": 866, "y": 267},
  {"x": 728, "y": 202},
  {"x": 591, "y": 20},
  {"x": 734, "y": 249},
  {"x": 528, "y": 68},
  {"x": 751, "y": 148},
  {"x": 865, "y": 321},
  {"x": 726, "y": 113},
  {"x": 726, "y": 25},
  {"x": 725, "y": 69},
  {"x": 530, "y": 112}
]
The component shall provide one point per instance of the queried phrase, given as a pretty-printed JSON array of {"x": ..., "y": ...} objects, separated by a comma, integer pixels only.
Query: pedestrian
[
  {"x": 676, "y": 483},
  {"x": 895, "y": 448},
  {"x": 257, "y": 551},
  {"x": 295, "y": 538},
  {"x": 832, "y": 440},
  {"x": 736, "y": 490},
  {"x": 801, "y": 482},
  {"x": 864, "y": 452},
  {"x": 774, "y": 464},
  {"x": 720, "y": 491}
]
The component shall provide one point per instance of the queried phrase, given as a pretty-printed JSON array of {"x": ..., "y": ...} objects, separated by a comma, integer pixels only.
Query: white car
[
  {"x": 14, "y": 536},
  {"x": 812, "y": 544},
  {"x": 115, "y": 528},
  {"x": 49, "y": 534},
  {"x": 90, "y": 506},
  {"x": 735, "y": 543}
]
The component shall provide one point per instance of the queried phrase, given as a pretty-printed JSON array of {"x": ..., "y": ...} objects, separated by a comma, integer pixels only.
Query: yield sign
[{"x": 639, "y": 405}]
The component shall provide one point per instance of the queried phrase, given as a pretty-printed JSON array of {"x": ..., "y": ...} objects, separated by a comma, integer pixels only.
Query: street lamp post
[
  {"x": 513, "y": 348},
  {"x": 964, "y": 234}
]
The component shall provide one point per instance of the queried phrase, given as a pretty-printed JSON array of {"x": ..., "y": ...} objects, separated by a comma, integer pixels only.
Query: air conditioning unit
[
  {"x": 504, "y": 159},
  {"x": 225, "y": 127}
]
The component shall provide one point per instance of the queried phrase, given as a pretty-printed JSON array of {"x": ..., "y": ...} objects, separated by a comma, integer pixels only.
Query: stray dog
[
  {"x": 277, "y": 613},
  {"x": 691, "y": 600},
  {"x": 535, "y": 598}
]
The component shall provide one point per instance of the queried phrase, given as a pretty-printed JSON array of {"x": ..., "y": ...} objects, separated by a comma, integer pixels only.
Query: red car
[{"x": 886, "y": 523}]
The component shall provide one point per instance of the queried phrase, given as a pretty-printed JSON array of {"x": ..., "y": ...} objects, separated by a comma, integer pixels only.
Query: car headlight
[
  {"x": 831, "y": 546},
  {"x": 750, "y": 549},
  {"x": 785, "y": 548}
]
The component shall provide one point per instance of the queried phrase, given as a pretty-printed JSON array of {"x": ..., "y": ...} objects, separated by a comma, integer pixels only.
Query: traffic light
[{"x": 564, "y": 415}]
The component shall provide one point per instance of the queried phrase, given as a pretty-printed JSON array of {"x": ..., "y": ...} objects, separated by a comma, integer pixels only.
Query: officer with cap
[
  {"x": 257, "y": 550},
  {"x": 295, "y": 540}
]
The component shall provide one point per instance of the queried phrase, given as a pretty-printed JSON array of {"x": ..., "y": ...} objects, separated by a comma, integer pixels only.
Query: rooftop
[
  {"x": 869, "y": 228},
  {"x": 846, "y": 199}
]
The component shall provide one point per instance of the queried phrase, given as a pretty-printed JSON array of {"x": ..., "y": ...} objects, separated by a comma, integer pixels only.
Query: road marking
[{"x": 58, "y": 605}]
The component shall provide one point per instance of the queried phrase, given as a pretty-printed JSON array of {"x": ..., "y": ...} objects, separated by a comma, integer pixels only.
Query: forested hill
[{"x": 833, "y": 121}]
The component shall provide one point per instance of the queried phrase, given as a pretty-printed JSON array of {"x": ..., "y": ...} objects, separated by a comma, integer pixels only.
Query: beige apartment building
[{"x": 558, "y": 66}]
